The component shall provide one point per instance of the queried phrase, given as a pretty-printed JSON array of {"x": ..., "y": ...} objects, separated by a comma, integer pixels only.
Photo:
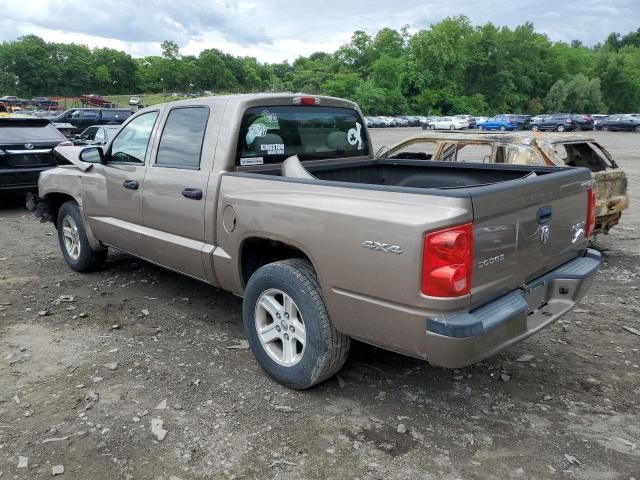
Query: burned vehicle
[{"x": 557, "y": 149}]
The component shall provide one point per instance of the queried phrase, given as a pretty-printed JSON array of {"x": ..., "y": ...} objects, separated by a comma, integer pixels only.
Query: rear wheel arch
[{"x": 256, "y": 252}]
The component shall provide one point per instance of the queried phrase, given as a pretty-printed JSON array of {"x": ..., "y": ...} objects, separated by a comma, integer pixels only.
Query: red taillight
[
  {"x": 306, "y": 101},
  {"x": 447, "y": 262},
  {"x": 591, "y": 213}
]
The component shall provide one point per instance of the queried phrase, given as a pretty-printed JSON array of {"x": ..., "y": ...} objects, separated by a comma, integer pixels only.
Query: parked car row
[
  {"x": 559, "y": 122},
  {"x": 399, "y": 121}
]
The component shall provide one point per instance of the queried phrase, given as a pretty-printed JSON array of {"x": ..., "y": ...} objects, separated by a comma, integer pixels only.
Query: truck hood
[{"x": 72, "y": 155}]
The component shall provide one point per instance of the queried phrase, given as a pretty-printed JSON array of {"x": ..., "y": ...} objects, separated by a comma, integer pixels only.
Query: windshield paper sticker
[
  {"x": 273, "y": 148},
  {"x": 244, "y": 162},
  {"x": 354, "y": 135},
  {"x": 268, "y": 116}
]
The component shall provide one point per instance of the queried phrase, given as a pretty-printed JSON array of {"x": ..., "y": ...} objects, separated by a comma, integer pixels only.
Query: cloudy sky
[{"x": 277, "y": 30}]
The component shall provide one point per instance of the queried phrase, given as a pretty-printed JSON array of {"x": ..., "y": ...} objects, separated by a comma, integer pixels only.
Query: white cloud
[{"x": 279, "y": 30}]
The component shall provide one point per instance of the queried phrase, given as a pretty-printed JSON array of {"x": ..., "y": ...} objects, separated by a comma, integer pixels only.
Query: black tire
[
  {"x": 88, "y": 260},
  {"x": 560, "y": 128},
  {"x": 605, "y": 129},
  {"x": 535, "y": 128},
  {"x": 325, "y": 350},
  {"x": 637, "y": 129},
  {"x": 502, "y": 128},
  {"x": 480, "y": 127}
]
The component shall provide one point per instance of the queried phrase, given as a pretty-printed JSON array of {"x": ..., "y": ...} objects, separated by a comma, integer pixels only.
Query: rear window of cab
[{"x": 272, "y": 134}]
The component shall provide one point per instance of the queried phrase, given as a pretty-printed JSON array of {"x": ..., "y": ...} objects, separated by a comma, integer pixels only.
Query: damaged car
[
  {"x": 26, "y": 150},
  {"x": 557, "y": 149}
]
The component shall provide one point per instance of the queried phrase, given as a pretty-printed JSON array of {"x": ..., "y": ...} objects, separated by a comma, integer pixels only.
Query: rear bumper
[
  {"x": 21, "y": 179},
  {"x": 455, "y": 340},
  {"x": 463, "y": 339}
]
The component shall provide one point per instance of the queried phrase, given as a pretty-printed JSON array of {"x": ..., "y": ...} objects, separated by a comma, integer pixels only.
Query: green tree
[
  {"x": 343, "y": 85},
  {"x": 583, "y": 95},
  {"x": 170, "y": 50},
  {"x": 557, "y": 96}
]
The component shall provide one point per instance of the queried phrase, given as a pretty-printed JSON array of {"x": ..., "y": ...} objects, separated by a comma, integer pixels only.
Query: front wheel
[
  {"x": 637, "y": 129},
  {"x": 502, "y": 128},
  {"x": 535, "y": 128},
  {"x": 560, "y": 128},
  {"x": 288, "y": 327},
  {"x": 75, "y": 246},
  {"x": 451, "y": 127},
  {"x": 480, "y": 127},
  {"x": 432, "y": 126}
]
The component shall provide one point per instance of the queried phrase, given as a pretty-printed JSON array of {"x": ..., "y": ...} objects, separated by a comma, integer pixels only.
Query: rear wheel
[
  {"x": 288, "y": 327},
  {"x": 75, "y": 246},
  {"x": 502, "y": 128},
  {"x": 432, "y": 126},
  {"x": 637, "y": 129},
  {"x": 535, "y": 127},
  {"x": 560, "y": 128},
  {"x": 452, "y": 127},
  {"x": 605, "y": 128}
]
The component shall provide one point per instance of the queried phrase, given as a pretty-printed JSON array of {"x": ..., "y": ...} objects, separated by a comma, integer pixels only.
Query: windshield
[{"x": 272, "y": 134}]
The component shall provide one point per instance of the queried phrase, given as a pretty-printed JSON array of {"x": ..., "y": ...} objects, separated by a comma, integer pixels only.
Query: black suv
[
  {"x": 559, "y": 122},
  {"x": 26, "y": 149},
  {"x": 583, "y": 121},
  {"x": 523, "y": 122},
  {"x": 82, "y": 118}
]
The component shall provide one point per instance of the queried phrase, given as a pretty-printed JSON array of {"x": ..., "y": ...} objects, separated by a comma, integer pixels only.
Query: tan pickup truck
[{"x": 279, "y": 199}]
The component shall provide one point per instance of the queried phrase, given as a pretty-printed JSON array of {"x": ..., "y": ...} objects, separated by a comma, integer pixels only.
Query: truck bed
[
  {"x": 511, "y": 206},
  {"x": 406, "y": 174}
]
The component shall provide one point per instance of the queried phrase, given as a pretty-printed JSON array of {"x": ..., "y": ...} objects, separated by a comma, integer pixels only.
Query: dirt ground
[{"x": 92, "y": 365}]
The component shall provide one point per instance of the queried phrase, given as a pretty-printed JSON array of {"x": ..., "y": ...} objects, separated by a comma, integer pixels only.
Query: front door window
[{"x": 130, "y": 146}]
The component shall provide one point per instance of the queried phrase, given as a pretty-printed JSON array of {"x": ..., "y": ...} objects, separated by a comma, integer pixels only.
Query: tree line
[{"x": 452, "y": 67}]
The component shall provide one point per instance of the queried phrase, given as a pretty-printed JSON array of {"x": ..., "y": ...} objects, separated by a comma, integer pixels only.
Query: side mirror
[{"x": 92, "y": 155}]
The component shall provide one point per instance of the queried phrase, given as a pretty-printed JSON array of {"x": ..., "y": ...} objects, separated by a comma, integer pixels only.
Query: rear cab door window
[
  {"x": 175, "y": 193},
  {"x": 181, "y": 141}
]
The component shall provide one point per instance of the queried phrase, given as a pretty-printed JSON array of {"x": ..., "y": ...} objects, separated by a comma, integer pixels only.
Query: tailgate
[{"x": 524, "y": 228}]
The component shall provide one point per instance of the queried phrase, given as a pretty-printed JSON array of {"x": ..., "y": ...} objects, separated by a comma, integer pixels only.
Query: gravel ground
[{"x": 139, "y": 373}]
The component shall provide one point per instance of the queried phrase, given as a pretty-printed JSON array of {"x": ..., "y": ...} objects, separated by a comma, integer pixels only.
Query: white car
[
  {"x": 134, "y": 101},
  {"x": 448, "y": 123}
]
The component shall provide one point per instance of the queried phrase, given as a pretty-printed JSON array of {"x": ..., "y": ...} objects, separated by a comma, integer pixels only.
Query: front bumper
[{"x": 459, "y": 340}]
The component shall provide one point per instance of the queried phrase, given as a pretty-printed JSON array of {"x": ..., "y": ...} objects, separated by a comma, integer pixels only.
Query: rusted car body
[{"x": 528, "y": 149}]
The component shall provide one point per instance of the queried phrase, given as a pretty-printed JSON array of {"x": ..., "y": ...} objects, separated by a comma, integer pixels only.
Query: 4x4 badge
[
  {"x": 382, "y": 247},
  {"x": 545, "y": 231}
]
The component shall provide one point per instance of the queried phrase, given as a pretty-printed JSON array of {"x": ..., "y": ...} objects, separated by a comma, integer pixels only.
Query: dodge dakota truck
[{"x": 279, "y": 199}]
